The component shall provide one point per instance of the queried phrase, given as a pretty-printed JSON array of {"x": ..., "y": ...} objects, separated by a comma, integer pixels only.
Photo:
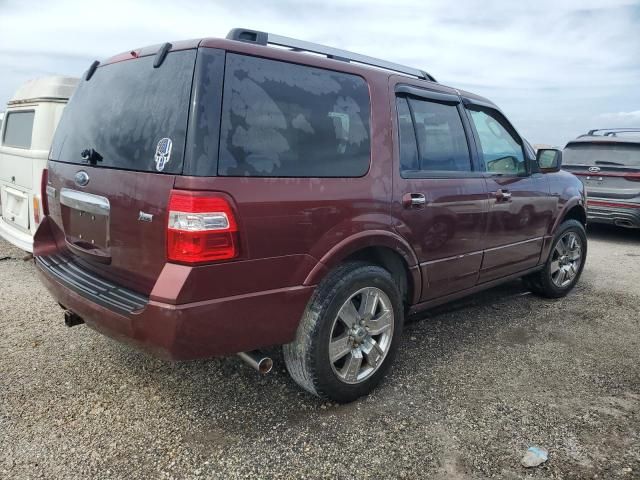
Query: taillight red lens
[
  {"x": 202, "y": 228},
  {"x": 44, "y": 199},
  {"x": 632, "y": 177}
]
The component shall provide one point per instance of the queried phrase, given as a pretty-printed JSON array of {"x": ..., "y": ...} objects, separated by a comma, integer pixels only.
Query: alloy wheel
[
  {"x": 566, "y": 259},
  {"x": 361, "y": 335}
]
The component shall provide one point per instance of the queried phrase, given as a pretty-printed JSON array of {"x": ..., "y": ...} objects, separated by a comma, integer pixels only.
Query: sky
[{"x": 557, "y": 68}]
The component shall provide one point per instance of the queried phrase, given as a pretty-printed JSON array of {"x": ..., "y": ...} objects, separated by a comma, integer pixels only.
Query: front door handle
[
  {"x": 413, "y": 200},
  {"x": 503, "y": 195}
]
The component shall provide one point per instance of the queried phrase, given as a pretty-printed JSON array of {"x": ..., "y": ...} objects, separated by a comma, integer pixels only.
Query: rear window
[
  {"x": 133, "y": 115},
  {"x": 614, "y": 154},
  {"x": 285, "y": 120},
  {"x": 18, "y": 129}
]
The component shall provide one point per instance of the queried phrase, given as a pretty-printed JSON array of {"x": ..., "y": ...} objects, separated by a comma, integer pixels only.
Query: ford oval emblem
[
  {"x": 594, "y": 169},
  {"x": 82, "y": 178}
]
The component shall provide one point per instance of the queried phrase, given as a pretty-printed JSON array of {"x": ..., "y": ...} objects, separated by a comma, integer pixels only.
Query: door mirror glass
[{"x": 549, "y": 159}]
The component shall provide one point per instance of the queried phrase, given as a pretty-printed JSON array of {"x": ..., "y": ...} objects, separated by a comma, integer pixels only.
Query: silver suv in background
[{"x": 608, "y": 163}]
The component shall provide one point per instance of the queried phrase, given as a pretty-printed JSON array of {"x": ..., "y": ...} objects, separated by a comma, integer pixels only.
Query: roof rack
[
  {"x": 264, "y": 38},
  {"x": 626, "y": 130},
  {"x": 613, "y": 131},
  {"x": 622, "y": 130}
]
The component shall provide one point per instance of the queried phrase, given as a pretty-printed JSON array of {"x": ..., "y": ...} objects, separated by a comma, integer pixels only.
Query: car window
[
  {"x": 437, "y": 129},
  {"x": 407, "y": 137},
  {"x": 610, "y": 155},
  {"x": 500, "y": 147},
  {"x": 133, "y": 115},
  {"x": 18, "y": 129},
  {"x": 285, "y": 120}
]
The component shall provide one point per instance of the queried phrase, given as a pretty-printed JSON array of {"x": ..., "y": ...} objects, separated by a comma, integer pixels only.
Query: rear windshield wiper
[
  {"x": 90, "y": 156},
  {"x": 605, "y": 162}
]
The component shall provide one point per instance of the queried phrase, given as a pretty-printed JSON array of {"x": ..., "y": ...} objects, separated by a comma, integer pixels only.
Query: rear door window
[
  {"x": 407, "y": 136},
  {"x": 133, "y": 115},
  {"x": 18, "y": 129},
  {"x": 432, "y": 138},
  {"x": 285, "y": 120}
]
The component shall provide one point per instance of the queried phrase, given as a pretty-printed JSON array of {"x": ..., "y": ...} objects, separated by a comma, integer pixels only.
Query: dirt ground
[{"x": 475, "y": 384}]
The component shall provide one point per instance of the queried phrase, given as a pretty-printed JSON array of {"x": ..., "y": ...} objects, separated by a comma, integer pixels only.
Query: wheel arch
[
  {"x": 574, "y": 209},
  {"x": 382, "y": 248},
  {"x": 577, "y": 212}
]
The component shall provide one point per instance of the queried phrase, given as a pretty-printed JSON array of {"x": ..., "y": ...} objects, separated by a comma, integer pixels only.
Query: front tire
[
  {"x": 349, "y": 333},
  {"x": 565, "y": 263}
]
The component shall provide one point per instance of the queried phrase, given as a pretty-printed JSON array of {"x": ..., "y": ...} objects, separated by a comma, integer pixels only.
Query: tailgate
[
  {"x": 608, "y": 169},
  {"x": 102, "y": 222},
  {"x": 608, "y": 182},
  {"x": 116, "y": 152}
]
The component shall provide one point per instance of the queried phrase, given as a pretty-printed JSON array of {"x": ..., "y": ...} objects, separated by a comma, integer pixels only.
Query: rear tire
[
  {"x": 349, "y": 333},
  {"x": 564, "y": 266}
]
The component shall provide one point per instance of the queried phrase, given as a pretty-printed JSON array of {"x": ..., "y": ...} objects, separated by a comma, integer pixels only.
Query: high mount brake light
[{"x": 202, "y": 228}]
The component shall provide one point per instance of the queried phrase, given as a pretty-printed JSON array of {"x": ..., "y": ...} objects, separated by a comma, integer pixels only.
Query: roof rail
[
  {"x": 615, "y": 133},
  {"x": 264, "y": 38},
  {"x": 613, "y": 130}
]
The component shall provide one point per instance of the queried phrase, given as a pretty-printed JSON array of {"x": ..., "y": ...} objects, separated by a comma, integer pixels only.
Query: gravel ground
[{"x": 475, "y": 384}]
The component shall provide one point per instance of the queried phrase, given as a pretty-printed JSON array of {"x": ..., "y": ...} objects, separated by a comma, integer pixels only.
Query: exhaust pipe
[
  {"x": 624, "y": 223},
  {"x": 71, "y": 319},
  {"x": 257, "y": 361}
]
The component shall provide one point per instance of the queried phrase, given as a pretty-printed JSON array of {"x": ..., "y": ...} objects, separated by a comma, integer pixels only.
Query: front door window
[{"x": 500, "y": 148}]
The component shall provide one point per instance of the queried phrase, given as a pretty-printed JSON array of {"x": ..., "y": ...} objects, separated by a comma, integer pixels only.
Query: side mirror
[{"x": 549, "y": 160}]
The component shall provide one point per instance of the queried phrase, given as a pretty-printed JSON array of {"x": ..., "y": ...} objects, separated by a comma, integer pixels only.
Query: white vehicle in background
[{"x": 26, "y": 133}]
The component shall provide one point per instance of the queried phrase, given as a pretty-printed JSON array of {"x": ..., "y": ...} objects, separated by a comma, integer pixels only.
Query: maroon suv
[{"x": 214, "y": 197}]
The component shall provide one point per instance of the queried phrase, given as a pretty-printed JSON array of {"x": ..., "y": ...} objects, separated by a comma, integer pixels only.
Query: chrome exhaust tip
[
  {"x": 623, "y": 223},
  {"x": 257, "y": 360}
]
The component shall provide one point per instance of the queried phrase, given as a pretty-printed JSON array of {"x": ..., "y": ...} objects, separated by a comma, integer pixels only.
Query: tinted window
[
  {"x": 438, "y": 130},
  {"x": 203, "y": 135},
  {"x": 126, "y": 111},
  {"x": 500, "y": 148},
  {"x": 18, "y": 130},
  {"x": 614, "y": 155},
  {"x": 407, "y": 136},
  {"x": 286, "y": 120}
]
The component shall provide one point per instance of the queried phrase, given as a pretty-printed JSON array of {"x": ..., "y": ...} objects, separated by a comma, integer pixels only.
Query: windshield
[
  {"x": 613, "y": 154},
  {"x": 130, "y": 116}
]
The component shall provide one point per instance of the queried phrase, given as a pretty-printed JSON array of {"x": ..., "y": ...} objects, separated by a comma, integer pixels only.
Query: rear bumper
[
  {"x": 219, "y": 327},
  {"x": 613, "y": 213},
  {"x": 17, "y": 237}
]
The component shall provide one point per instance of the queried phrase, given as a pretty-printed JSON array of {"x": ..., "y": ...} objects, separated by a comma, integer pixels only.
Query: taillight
[
  {"x": 632, "y": 177},
  {"x": 40, "y": 204},
  {"x": 44, "y": 181},
  {"x": 202, "y": 228},
  {"x": 36, "y": 209}
]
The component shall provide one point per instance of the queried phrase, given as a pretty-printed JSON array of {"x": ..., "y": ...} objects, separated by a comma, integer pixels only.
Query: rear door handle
[
  {"x": 414, "y": 200},
  {"x": 503, "y": 195}
]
